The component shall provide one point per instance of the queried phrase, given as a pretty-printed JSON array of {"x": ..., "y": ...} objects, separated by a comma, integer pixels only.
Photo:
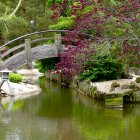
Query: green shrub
[
  {"x": 46, "y": 64},
  {"x": 63, "y": 23},
  {"x": 103, "y": 68},
  {"x": 14, "y": 77},
  {"x": 138, "y": 80}
]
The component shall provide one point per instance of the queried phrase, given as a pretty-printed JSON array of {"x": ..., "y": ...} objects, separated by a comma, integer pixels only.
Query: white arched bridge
[
  {"x": 31, "y": 50},
  {"x": 27, "y": 51}
]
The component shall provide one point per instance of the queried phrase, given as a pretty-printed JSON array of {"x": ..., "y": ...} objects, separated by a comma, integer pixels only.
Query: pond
[{"x": 59, "y": 113}]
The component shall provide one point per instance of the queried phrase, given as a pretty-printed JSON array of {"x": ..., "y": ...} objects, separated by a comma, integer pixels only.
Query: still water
[{"x": 61, "y": 114}]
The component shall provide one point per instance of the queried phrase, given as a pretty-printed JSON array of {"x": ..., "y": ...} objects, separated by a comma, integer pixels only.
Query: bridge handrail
[
  {"x": 40, "y": 32},
  {"x": 26, "y": 35},
  {"x": 21, "y": 46},
  {"x": 12, "y": 50}
]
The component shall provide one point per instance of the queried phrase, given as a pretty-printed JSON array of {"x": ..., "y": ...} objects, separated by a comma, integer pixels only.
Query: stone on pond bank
[
  {"x": 29, "y": 72},
  {"x": 113, "y": 90},
  {"x": 22, "y": 90}
]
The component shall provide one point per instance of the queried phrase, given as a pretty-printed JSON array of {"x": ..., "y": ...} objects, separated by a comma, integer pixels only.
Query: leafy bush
[
  {"x": 102, "y": 69},
  {"x": 46, "y": 64},
  {"x": 14, "y": 77},
  {"x": 63, "y": 23}
]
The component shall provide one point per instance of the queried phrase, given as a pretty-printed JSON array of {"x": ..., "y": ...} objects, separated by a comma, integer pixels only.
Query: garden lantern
[
  {"x": 5, "y": 74},
  {"x": 5, "y": 78}
]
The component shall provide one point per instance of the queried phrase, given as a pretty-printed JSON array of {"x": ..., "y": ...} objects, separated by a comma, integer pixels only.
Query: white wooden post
[
  {"x": 58, "y": 42},
  {"x": 28, "y": 53},
  {"x": 1, "y": 63}
]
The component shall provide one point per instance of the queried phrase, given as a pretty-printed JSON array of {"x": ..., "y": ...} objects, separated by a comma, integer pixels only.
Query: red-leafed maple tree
[{"x": 105, "y": 20}]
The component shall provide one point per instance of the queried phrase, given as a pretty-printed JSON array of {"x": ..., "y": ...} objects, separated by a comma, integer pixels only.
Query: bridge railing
[
  {"x": 21, "y": 47},
  {"x": 40, "y": 32},
  {"x": 32, "y": 41}
]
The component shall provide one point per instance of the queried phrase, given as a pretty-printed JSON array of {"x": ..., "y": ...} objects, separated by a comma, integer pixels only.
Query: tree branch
[{"x": 16, "y": 9}]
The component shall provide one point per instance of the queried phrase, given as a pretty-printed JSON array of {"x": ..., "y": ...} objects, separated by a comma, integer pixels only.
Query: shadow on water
[{"x": 59, "y": 113}]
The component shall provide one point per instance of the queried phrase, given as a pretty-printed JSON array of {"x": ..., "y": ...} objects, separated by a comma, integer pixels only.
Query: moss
[
  {"x": 112, "y": 89},
  {"x": 125, "y": 86},
  {"x": 14, "y": 77},
  {"x": 132, "y": 86},
  {"x": 93, "y": 89},
  {"x": 138, "y": 80},
  {"x": 115, "y": 84},
  {"x": 87, "y": 82}
]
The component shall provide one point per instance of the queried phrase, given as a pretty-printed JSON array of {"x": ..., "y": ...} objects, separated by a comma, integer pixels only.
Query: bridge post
[
  {"x": 58, "y": 42},
  {"x": 28, "y": 53},
  {"x": 1, "y": 63}
]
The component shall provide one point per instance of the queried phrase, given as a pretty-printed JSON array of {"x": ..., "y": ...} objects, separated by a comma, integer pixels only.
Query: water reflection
[
  {"x": 9, "y": 107},
  {"x": 61, "y": 114}
]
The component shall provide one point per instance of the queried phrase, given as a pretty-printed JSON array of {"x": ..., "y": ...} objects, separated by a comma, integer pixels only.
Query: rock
[
  {"x": 121, "y": 92},
  {"x": 125, "y": 86},
  {"x": 137, "y": 71},
  {"x": 137, "y": 96},
  {"x": 93, "y": 89},
  {"x": 132, "y": 98},
  {"x": 20, "y": 88},
  {"x": 132, "y": 85},
  {"x": 115, "y": 84},
  {"x": 137, "y": 80},
  {"x": 26, "y": 72}
]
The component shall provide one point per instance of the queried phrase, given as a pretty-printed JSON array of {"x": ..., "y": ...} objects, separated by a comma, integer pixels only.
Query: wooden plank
[
  {"x": 44, "y": 51},
  {"x": 16, "y": 61}
]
